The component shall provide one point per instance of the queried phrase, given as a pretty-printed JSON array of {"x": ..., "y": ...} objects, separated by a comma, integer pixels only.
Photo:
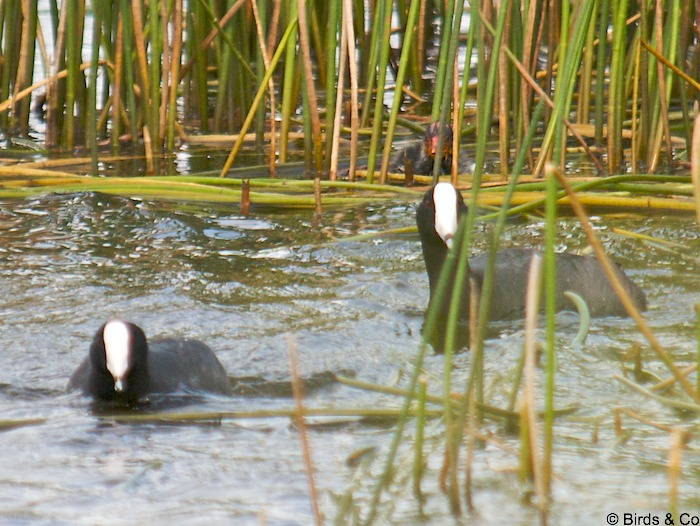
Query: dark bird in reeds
[
  {"x": 419, "y": 158},
  {"x": 438, "y": 216},
  {"x": 123, "y": 366}
]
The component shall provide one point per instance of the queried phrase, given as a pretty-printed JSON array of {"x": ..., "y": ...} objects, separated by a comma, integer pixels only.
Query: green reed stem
[
  {"x": 381, "y": 81},
  {"x": 697, "y": 341},
  {"x": 580, "y": 187},
  {"x": 406, "y": 50},
  {"x": 311, "y": 114},
  {"x": 225, "y": 73},
  {"x": 601, "y": 59},
  {"x": 91, "y": 113},
  {"x": 309, "y": 142},
  {"x": 488, "y": 280},
  {"x": 530, "y": 443},
  {"x": 499, "y": 227},
  {"x": 671, "y": 36},
  {"x": 387, "y": 471},
  {"x": 197, "y": 24},
  {"x": 485, "y": 106},
  {"x": 371, "y": 71},
  {"x": 416, "y": 60},
  {"x": 6, "y": 14},
  {"x": 584, "y": 103},
  {"x": 441, "y": 76},
  {"x": 13, "y": 423},
  {"x": 13, "y": 13},
  {"x": 290, "y": 74},
  {"x": 584, "y": 318},
  {"x": 73, "y": 63},
  {"x": 456, "y": 401},
  {"x": 113, "y": 101},
  {"x": 550, "y": 291},
  {"x": 668, "y": 402},
  {"x": 505, "y": 107},
  {"x": 565, "y": 62},
  {"x": 685, "y": 21},
  {"x": 25, "y": 69},
  {"x": 332, "y": 28},
  {"x": 128, "y": 51},
  {"x": 154, "y": 72},
  {"x": 352, "y": 67},
  {"x": 517, "y": 379},
  {"x": 262, "y": 413},
  {"x": 418, "y": 460},
  {"x": 459, "y": 117},
  {"x": 174, "y": 72},
  {"x": 262, "y": 8},
  {"x": 616, "y": 96},
  {"x": 319, "y": 50},
  {"x": 456, "y": 309},
  {"x": 483, "y": 119}
]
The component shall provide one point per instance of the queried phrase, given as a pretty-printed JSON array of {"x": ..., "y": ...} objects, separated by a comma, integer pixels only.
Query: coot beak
[{"x": 118, "y": 385}]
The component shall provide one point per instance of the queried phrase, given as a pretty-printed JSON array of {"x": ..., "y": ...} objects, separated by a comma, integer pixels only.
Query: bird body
[
  {"x": 582, "y": 275},
  {"x": 420, "y": 156},
  {"x": 123, "y": 366}
]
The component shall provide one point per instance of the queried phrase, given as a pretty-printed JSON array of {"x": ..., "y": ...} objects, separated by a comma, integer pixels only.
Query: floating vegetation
[{"x": 617, "y": 192}]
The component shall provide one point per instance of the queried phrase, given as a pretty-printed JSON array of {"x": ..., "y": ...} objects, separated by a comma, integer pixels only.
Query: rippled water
[{"x": 241, "y": 284}]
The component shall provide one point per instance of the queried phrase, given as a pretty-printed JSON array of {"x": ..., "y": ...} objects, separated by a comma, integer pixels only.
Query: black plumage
[
  {"x": 161, "y": 366},
  {"x": 582, "y": 275}
]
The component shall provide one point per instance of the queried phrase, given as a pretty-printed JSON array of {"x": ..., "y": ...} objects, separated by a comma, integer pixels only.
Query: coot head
[
  {"x": 119, "y": 360},
  {"x": 437, "y": 217},
  {"x": 123, "y": 367}
]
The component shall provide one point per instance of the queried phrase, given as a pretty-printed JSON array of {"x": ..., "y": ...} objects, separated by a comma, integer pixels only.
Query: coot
[
  {"x": 438, "y": 217},
  {"x": 122, "y": 366}
]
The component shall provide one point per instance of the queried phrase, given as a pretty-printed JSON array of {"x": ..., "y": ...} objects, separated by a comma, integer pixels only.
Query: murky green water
[{"x": 241, "y": 284}]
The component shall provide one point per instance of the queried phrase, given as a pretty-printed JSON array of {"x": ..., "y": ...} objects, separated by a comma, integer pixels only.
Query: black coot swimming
[
  {"x": 122, "y": 366},
  {"x": 438, "y": 216}
]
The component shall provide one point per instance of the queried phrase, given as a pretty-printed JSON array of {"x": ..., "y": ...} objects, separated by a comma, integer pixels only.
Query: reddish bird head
[{"x": 430, "y": 142}]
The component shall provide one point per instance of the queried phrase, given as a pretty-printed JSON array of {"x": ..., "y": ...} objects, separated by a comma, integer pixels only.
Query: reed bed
[{"x": 158, "y": 74}]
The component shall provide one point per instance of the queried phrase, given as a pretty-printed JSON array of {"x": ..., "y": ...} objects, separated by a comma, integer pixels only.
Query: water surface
[{"x": 241, "y": 284}]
